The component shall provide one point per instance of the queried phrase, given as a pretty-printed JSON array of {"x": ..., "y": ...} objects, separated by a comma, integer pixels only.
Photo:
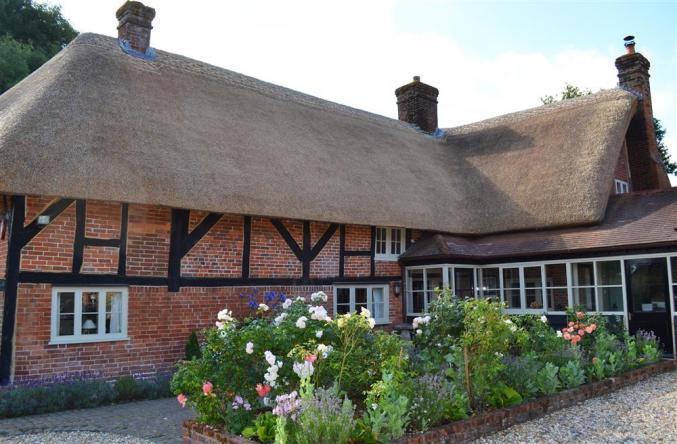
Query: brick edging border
[{"x": 477, "y": 426}]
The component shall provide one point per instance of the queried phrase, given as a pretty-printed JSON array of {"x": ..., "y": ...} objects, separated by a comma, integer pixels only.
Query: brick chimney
[
  {"x": 646, "y": 168},
  {"x": 417, "y": 104},
  {"x": 134, "y": 25}
]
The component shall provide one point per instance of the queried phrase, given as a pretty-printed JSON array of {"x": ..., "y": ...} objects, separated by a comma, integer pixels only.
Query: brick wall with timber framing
[{"x": 181, "y": 267}]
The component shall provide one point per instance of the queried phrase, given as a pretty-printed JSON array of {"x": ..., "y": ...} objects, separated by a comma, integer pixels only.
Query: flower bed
[{"x": 291, "y": 374}]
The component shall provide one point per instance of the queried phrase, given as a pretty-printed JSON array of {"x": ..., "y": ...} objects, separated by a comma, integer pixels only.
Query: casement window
[
  {"x": 609, "y": 286},
  {"x": 556, "y": 287},
  {"x": 351, "y": 299},
  {"x": 88, "y": 314},
  {"x": 490, "y": 283},
  {"x": 622, "y": 186},
  {"x": 389, "y": 243},
  {"x": 583, "y": 284}
]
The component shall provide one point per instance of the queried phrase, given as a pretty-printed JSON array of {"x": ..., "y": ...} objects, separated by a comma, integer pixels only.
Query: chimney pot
[
  {"x": 417, "y": 104},
  {"x": 134, "y": 25}
]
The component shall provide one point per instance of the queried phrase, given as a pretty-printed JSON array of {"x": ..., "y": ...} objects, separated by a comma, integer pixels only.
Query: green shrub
[
  {"x": 547, "y": 380},
  {"x": 386, "y": 409},
  {"x": 434, "y": 400},
  {"x": 648, "y": 347},
  {"x": 520, "y": 373},
  {"x": 572, "y": 374},
  {"x": 503, "y": 396},
  {"x": 193, "y": 347}
]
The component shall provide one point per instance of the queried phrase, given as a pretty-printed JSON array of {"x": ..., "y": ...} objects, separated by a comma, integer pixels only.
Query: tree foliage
[
  {"x": 30, "y": 34},
  {"x": 571, "y": 92},
  {"x": 670, "y": 167}
]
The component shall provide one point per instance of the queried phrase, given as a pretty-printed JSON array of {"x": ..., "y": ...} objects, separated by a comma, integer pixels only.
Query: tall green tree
[
  {"x": 30, "y": 34},
  {"x": 571, "y": 92}
]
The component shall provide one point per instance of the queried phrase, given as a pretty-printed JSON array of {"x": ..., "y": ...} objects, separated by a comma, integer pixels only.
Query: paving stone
[{"x": 157, "y": 421}]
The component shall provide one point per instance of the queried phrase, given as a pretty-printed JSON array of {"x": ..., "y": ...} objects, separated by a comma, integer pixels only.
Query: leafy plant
[
  {"x": 571, "y": 374},
  {"x": 547, "y": 380},
  {"x": 386, "y": 410},
  {"x": 648, "y": 346},
  {"x": 434, "y": 400},
  {"x": 263, "y": 428},
  {"x": 503, "y": 396},
  {"x": 520, "y": 373}
]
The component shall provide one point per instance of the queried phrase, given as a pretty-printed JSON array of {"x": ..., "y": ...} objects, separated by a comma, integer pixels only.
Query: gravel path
[
  {"x": 645, "y": 412},
  {"x": 142, "y": 422}
]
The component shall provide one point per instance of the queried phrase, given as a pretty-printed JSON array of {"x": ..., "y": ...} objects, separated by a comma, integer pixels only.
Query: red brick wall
[
  {"x": 326, "y": 263},
  {"x": 52, "y": 248},
  {"x": 158, "y": 326},
  {"x": 219, "y": 252},
  {"x": 148, "y": 240},
  {"x": 159, "y": 322},
  {"x": 270, "y": 256}
]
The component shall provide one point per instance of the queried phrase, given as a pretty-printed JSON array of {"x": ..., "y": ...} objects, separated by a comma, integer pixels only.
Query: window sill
[
  {"x": 388, "y": 258},
  {"x": 63, "y": 341}
]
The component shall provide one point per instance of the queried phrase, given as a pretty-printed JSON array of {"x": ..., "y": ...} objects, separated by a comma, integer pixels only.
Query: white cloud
[{"x": 351, "y": 52}]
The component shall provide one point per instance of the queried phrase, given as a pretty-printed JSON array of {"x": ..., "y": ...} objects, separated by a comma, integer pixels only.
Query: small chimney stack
[
  {"x": 646, "y": 169},
  {"x": 417, "y": 104},
  {"x": 134, "y": 25}
]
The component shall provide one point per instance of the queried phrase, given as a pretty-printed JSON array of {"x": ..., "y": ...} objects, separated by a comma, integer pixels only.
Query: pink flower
[
  {"x": 311, "y": 358},
  {"x": 219, "y": 324},
  {"x": 262, "y": 390},
  {"x": 207, "y": 388},
  {"x": 593, "y": 326},
  {"x": 571, "y": 323},
  {"x": 589, "y": 329},
  {"x": 567, "y": 336},
  {"x": 182, "y": 399},
  {"x": 581, "y": 332},
  {"x": 580, "y": 314}
]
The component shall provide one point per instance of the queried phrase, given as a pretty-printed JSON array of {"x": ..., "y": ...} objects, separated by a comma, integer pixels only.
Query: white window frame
[
  {"x": 448, "y": 281},
  {"x": 78, "y": 337},
  {"x": 621, "y": 186},
  {"x": 370, "y": 301},
  {"x": 389, "y": 255}
]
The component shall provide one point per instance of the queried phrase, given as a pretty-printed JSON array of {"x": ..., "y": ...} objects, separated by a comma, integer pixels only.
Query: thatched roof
[
  {"x": 97, "y": 123},
  {"x": 633, "y": 221}
]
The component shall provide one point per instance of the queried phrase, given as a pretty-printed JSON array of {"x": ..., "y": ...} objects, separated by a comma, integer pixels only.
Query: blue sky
[{"x": 486, "y": 57}]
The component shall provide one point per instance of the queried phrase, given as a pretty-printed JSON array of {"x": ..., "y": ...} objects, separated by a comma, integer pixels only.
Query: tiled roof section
[{"x": 633, "y": 220}]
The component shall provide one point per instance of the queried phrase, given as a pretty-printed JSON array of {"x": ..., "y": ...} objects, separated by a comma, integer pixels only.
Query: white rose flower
[
  {"x": 508, "y": 321},
  {"x": 304, "y": 369},
  {"x": 318, "y": 334},
  {"x": 513, "y": 328},
  {"x": 419, "y": 331},
  {"x": 372, "y": 322},
  {"x": 225, "y": 315},
  {"x": 559, "y": 334},
  {"x": 364, "y": 312},
  {"x": 319, "y": 296},
  {"x": 301, "y": 322},
  {"x": 287, "y": 303},
  {"x": 270, "y": 358},
  {"x": 278, "y": 320},
  {"x": 544, "y": 319},
  {"x": 249, "y": 348},
  {"x": 318, "y": 313},
  {"x": 263, "y": 307},
  {"x": 300, "y": 299}
]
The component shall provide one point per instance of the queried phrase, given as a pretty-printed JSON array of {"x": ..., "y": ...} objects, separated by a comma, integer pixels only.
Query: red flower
[
  {"x": 207, "y": 388},
  {"x": 182, "y": 399},
  {"x": 262, "y": 390},
  {"x": 311, "y": 358}
]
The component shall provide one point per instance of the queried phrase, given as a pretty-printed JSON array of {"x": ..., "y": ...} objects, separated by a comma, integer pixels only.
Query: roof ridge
[
  {"x": 601, "y": 95},
  {"x": 198, "y": 67}
]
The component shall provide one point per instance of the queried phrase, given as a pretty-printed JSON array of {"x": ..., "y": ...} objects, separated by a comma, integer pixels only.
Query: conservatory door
[{"x": 649, "y": 298}]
